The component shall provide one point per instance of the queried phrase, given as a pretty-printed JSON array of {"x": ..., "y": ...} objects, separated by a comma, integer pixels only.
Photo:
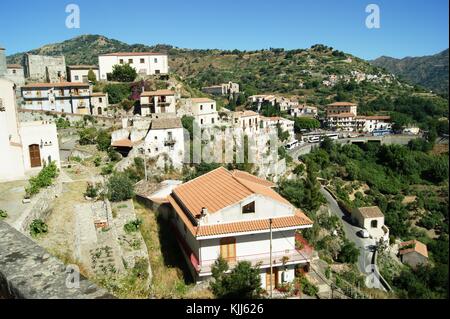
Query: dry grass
[{"x": 170, "y": 277}]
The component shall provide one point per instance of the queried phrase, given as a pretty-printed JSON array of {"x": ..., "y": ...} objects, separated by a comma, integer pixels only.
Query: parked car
[{"x": 363, "y": 233}]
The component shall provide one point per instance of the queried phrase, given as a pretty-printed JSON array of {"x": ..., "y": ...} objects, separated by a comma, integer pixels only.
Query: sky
[{"x": 407, "y": 27}]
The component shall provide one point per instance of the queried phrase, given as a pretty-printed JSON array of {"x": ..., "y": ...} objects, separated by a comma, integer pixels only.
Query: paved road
[{"x": 365, "y": 256}]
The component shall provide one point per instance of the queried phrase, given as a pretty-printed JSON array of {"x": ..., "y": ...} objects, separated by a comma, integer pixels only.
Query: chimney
[{"x": 204, "y": 212}]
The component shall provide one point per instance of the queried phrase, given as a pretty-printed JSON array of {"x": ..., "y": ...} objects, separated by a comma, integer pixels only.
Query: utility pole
[
  {"x": 142, "y": 150},
  {"x": 271, "y": 269}
]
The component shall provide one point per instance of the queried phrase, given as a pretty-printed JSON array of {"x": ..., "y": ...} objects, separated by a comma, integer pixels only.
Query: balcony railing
[
  {"x": 169, "y": 141},
  {"x": 278, "y": 258}
]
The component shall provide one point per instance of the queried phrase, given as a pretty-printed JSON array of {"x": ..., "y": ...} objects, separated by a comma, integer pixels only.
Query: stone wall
[
  {"x": 35, "y": 115},
  {"x": 38, "y": 208},
  {"x": 27, "y": 271}
]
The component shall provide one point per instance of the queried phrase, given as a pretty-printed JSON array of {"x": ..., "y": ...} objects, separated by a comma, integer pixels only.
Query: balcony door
[{"x": 228, "y": 249}]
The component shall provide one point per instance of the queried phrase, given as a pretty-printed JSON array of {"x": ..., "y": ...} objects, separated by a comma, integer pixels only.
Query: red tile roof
[
  {"x": 122, "y": 143},
  {"x": 342, "y": 104},
  {"x": 221, "y": 188},
  {"x": 158, "y": 93},
  {"x": 132, "y": 54},
  {"x": 54, "y": 85},
  {"x": 417, "y": 247}
]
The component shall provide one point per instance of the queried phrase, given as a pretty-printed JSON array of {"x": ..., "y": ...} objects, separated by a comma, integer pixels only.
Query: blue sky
[{"x": 408, "y": 27}]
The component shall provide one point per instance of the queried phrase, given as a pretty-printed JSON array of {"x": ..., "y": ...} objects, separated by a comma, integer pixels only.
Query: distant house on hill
[
  {"x": 372, "y": 219},
  {"x": 413, "y": 253}
]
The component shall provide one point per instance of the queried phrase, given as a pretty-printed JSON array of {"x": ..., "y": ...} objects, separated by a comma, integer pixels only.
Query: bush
[
  {"x": 307, "y": 287},
  {"x": 43, "y": 179},
  {"x": 38, "y": 227},
  {"x": 92, "y": 190},
  {"x": 120, "y": 187},
  {"x": 88, "y": 136},
  {"x": 123, "y": 73},
  {"x": 103, "y": 140},
  {"x": 107, "y": 169},
  {"x": 3, "y": 214},
  {"x": 132, "y": 226},
  {"x": 117, "y": 92},
  {"x": 349, "y": 253}
]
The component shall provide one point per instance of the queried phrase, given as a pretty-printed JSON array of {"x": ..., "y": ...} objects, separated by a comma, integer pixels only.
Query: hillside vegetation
[{"x": 428, "y": 71}]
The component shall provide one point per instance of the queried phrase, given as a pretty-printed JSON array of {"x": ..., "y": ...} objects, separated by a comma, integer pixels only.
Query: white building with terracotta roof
[
  {"x": 204, "y": 111},
  {"x": 248, "y": 121},
  {"x": 156, "y": 102},
  {"x": 230, "y": 214},
  {"x": 373, "y": 123},
  {"x": 80, "y": 73},
  {"x": 63, "y": 97},
  {"x": 342, "y": 116},
  {"x": 413, "y": 253},
  {"x": 99, "y": 103},
  {"x": 145, "y": 63},
  {"x": 303, "y": 111},
  {"x": 24, "y": 146},
  {"x": 165, "y": 142}
]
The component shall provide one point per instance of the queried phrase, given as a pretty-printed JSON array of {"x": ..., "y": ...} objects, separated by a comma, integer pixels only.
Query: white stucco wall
[
  {"x": 155, "y": 140},
  {"x": 148, "y": 67}
]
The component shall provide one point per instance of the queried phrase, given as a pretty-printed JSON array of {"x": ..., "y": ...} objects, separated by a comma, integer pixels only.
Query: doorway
[
  {"x": 228, "y": 249},
  {"x": 273, "y": 278},
  {"x": 35, "y": 155}
]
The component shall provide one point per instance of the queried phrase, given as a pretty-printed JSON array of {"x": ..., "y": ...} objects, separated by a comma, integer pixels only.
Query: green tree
[
  {"x": 349, "y": 253},
  {"x": 91, "y": 76},
  {"x": 304, "y": 123},
  {"x": 88, "y": 136},
  {"x": 120, "y": 187},
  {"x": 123, "y": 73},
  {"x": 117, "y": 92},
  {"x": 103, "y": 140},
  {"x": 243, "y": 282},
  {"x": 312, "y": 196}
]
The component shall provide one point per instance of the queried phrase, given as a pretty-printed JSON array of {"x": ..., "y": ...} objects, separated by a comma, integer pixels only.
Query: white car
[{"x": 363, "y": 233}]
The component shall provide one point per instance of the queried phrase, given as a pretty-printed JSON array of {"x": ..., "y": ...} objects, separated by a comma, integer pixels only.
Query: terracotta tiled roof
[
  {"x": 370, "y": 212},
  {"x": 245, "y": 113},
  {"x": 342, "y": 104},
  {"x": 14, "y": 66},
  {"x": 132, "y": 54},
  {"x": 297, "y": 220},
  {"x": 252, "y": 178},
  {"x": 54, "y": 85},
  {"x": 375, "y": 117},
  {"x": 158, "y": 93},
  {"x": 122, "y": 143},
  {"x": 347, "y": 114},
  {"x": 202, "y": 100},
  {"x": 214, "y": 190},
  {"x": 83, "y": 67},
  {"x": 417, "y": 247},
  {"x": 166, "y": 123}
]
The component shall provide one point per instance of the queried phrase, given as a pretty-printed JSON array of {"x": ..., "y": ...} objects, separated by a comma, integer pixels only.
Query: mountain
[
  {"x": 305, "y": 73},
  {"x": 429, "y": 71}
]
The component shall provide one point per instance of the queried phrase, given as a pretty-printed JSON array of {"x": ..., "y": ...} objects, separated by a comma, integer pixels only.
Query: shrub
[
  {"x": 38, "y": 227},
  {"x": 132, "y": 226},
  {"x": 3, "y": 214},
  {"x": 43, "y": 179},
  {"x": 97, "y": 161},
  {"x": 92, "y": 190},
  {"x": 349, "y": 253},
  {"x": 120, "y": 187},
  {"x": 107, "y": 169},
  {"x": 88, "y": 136},
  {"x": 123, "y": 73},
  {"x": 103, "y": 140},
  {"x": 307, "y": 287}
]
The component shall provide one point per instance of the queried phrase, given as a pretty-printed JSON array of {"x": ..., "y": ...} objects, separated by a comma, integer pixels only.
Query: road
[{"x": 365, "y": 256}]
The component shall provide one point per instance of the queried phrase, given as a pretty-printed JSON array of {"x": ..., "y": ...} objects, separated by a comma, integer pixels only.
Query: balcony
[
  {"x": 169, "y": 141},
  {"x": 290, "y": 256}
]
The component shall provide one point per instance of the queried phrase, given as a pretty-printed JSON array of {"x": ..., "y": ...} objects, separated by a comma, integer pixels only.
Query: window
[
  {"x": 130, "y": 61},
  {"x": 201, "y": 121},
  {"x": 212, "y": 121},
  {"x": 249, "y": 208},
  {"x": 14, "y": 71},
  {"x": 100, "y": 99},
  {"x": 201, "y": 107},
  {"x": 156, "y": 60},
  {"x": 77, "y": 77},
  {"x": 121, "y": 61},
  {"x": 212, "y": 107},
  {"x": 156, "y": 149},
  {"x": 142, "y": 61},
  {"x": 156, "y": 137},
  {"x": 374, "y": 223}
]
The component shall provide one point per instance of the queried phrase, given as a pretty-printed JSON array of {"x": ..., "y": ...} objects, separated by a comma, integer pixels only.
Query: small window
[
  {"x": 142, "y": 61},
  {"x": 201, "y": 121},
  {"x": 121, "y": 61},
  {"x": 249, "y": 208},
  {"x": 77, "y": 77},
  {"x": 156, "y": 137},
  {"x": 212, "y": 121},
  {"x": 212, "y": 107},
  {"x": 14, "y": 71},
  {"x": 201, "y": 107},
  {"x": 130, "y": 61},
  {"x": 156, "y": 60},
  {"x": 100, "y": 99},
  {"x": 156, "y": 149}
]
